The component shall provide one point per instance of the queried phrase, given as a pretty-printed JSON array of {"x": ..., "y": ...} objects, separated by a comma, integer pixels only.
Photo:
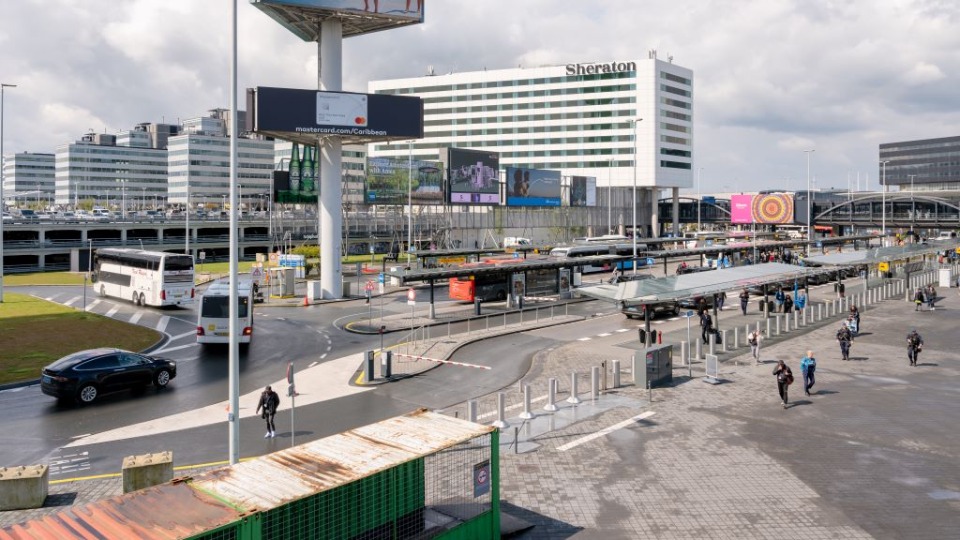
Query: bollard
[
  {"x": 603, "y": 381},
  {"x": 23, "y": 487},
  {"x": 786, "y": 323},
  {"x": 526, "y": 414},
  {"x": 146, "y": 470},
  {"x": 501, "y": 422},
  {"x": 758, "y": 328},
  {"x": 796, "y": 320},
  {"x": 616, "y": 373},
  {"x": 368, "y": 374},
  {"x": 386, "y": 364},
  {"x": 767, "y": 333},
  {"x": 472, "y": 407},
  {"x": 713, "y": 343},
  {"x": 819, "y": 312},
  {"x": 552, "y": 395},
  {"x": 723, "y": 341},
  {"x": 698, "y": 349},
  {"x": 684, "y": 356},
  {"x": 574, "y": 398},
  {"x": 746, "y": 330},
  {"x": 778, "y": 325},
  {"x": 736, "y": 337},
  {"x": 594, "y": 383}
]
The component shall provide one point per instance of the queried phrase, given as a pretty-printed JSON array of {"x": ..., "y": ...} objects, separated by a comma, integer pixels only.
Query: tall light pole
[
  {"x": 409, "y": 199},
  {"x": 186, "y": 218},
  {"x": 233, "y": 354},
  {"x": 636, "y": 155},
  {"x": 699, "y": 198},
  {"x": 883, "y": 203},
  {"x": 3, "y": 202},
  {"x": 609, "y": 196},
  {"x": 809, "y": 203}
]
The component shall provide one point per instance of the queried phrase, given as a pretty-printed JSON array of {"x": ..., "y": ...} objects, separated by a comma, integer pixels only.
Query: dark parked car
[
  {"x": 636, "y": 311},
  {"x": 694, "y": 269},
  {"x": 85, "y": 375}
]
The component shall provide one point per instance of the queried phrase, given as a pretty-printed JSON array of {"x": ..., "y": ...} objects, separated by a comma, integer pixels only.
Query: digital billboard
[
  {"x": 357, "y": 17},
  {"x": 303, "y": 115},
  {"x": 387, "y": 181},
  {"x": 583, "y": 191},
  {"x": 741, "y": 209},
  {"x": 532, "y": 187},
  {"x": 298, "y": 184},
  {"x": 773, "y": 208},
  {"x": 474, "y": 176}
]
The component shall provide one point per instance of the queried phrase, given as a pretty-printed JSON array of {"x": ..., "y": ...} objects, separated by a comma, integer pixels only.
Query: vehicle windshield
[{"x": 218, "y": 307}]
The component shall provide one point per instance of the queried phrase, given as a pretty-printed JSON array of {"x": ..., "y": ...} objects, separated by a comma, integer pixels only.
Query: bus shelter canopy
[
  {"x": 510, "y": 265},
  {"x": 672, "y": 288},
  {"x": 883, "y": 254}
]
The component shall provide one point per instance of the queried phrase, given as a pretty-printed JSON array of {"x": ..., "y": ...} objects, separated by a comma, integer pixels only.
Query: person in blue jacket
[
  {"x": 779, "y": 297},
  {"x": 808, "y": 364}
]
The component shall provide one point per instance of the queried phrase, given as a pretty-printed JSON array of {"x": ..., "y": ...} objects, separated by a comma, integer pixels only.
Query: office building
[
  {"x": 923, "y": 165},
  {"x": 199, "y": 160},
  {"x": 28, "y": 178},
  {"x": 576, "y": 118},
  {"x": 97, "y": 169}
]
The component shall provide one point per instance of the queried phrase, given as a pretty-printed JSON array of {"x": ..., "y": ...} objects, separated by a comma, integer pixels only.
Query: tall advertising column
[{"x": 331, "y": 75}]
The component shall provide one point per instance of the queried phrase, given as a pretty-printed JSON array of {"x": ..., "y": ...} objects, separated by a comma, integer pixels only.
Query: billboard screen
[
  {"x": 583, "y": 191},
  {"x": 773, "y": 208},
  {"x": 741, "y": 209},
  {"x": 474, "y": 176},
  {"x": 532, "y": 187},
  {"x": 387, "y": 181},
  {"x": 358, "y": 16},
  {"x": 299, "y": 115},
  {"x": 298, "y": 184}
]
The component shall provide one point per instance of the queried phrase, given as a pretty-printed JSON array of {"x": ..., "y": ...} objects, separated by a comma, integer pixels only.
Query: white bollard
[
  {"x": 472, "y": 407},
  {"x": 768, "y": 328},
  {"x": 777, "y": 325},
  {"x": 595, "y": 382},
  {"x": 723, "y": 346},
  {"x": 713, "y": 343},
  {"x": 796, "y": 320},
  {"x": 526, "y": 414},
  {"x": 551, "y": 396},
  {"x": 736, "y": 337},
  {"x": 616, "y": 373},
  {"x": 501, "y": 422},
  {"x": 684, "y": 354},
  {"x": 699, "y": 349},
  {"x": 574, "y": 398}
]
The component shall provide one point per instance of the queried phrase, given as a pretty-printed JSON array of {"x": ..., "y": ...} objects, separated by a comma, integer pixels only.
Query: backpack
[{"x": 752, "y": 340}]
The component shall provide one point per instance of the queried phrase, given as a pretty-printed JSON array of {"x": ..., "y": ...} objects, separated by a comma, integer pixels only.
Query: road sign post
[
  {"x": 292, "y": 394},
  {"x": 412, "y": 302}
]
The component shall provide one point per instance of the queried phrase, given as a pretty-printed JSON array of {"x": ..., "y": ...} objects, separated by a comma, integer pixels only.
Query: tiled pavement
[{"x": 870, "y": 455}]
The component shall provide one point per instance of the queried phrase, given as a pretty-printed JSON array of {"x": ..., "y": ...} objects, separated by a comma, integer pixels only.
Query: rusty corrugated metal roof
[
  {"x": 166, "y": 512},
  {"x": 327, "y": 463}
]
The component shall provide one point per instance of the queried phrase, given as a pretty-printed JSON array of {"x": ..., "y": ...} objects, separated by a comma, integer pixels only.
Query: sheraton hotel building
[{"x": 625, "y": 122}]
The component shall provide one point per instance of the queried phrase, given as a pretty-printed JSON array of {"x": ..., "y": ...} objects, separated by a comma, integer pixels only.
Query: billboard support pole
[{"x": 330, "y": 196}]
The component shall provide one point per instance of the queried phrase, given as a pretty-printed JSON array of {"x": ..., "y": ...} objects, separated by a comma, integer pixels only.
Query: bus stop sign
[{"x": 411, "y": 297}]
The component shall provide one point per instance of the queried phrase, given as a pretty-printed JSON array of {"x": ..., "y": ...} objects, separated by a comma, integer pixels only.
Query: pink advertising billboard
[{"x": 741, "y": 209}]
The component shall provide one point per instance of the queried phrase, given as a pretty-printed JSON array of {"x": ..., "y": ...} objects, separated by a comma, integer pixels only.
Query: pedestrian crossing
[{"x": 122, "y": 312}]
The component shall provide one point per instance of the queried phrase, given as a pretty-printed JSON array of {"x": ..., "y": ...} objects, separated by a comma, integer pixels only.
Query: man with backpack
[
  {"x": 914, "y": 346},
  {"x": 845, "y": 338},
  {"x": 269, "y": 402}
]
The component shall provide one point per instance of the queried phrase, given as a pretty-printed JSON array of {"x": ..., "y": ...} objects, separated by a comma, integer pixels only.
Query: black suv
[{"x": 84, "y": 375}]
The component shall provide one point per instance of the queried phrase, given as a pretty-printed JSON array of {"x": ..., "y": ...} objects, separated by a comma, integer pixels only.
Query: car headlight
[{"x": 171, "y": 363}]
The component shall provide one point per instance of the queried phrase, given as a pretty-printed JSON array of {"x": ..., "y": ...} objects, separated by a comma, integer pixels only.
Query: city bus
[
  {"x": 484, "y": 287},
  {"x": 213, "y": 317},
  {"x": 146, "y": 278}
]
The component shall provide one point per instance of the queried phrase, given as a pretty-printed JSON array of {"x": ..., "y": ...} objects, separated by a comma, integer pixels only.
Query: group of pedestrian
[{"x": 925, "y": 296}]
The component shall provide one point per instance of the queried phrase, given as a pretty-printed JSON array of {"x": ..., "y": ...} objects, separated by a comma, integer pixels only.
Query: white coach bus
[
  {"x": 213, "y": 318},
  {"x": 146, "y": 278}
]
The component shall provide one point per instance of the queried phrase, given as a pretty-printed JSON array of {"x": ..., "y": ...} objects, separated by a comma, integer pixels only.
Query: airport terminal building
[{"x": 624, "y": 122}]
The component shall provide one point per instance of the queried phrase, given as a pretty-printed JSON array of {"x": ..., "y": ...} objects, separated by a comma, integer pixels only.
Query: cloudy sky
[{"x": 772, "y": 77}]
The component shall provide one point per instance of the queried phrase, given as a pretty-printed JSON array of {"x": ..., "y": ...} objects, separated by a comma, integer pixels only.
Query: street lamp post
[
  {"x": 186, "y": 220},
  {"x": 699, "y": 199},
  {"x": 636, "y": 123},
  {"x": 809, "y": 203},
  {"x": 3, "y": 203},
  {"x": 883, "y": 203},
  {"x": 409, "y": 199},
  {"x": 609, "y": 196}
]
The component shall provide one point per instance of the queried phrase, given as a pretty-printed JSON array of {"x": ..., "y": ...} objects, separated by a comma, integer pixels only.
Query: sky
[{"x": 772, "y": 78}]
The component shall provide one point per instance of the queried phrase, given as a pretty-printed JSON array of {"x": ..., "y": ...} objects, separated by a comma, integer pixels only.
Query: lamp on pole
[
  {"x": 883, "y": 202},
  {"x": 609, "y": 196},
  {"x": 636, "y": 123},
  {"x": 186, "y": 220},
  {"x": 3, "y": 202},
  {"x": 809, "y": 203}
]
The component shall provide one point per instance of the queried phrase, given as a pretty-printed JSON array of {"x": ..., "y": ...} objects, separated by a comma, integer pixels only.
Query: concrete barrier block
[
  {"x": 23, "y": 487},
  {"x": 147, "y": 470}
]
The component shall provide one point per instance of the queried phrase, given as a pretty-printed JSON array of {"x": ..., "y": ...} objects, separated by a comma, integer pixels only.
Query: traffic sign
[
  {"x": 380, "y": 278},
  {"x": 411, "y": 297},
  {"x": 203, "y": 255},
  {"x": 688, "y": 314},
  {"x": 650, "y": 261},
  {"x": 256, "y": 273}
]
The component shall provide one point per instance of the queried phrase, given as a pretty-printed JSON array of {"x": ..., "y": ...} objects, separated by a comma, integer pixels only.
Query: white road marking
[
  {"x": 605, "y": 431},
  {"x": 177, "y": 348},
  {"x": 607, "y": 334},
  {"x": 135, "y": 318},
  {"x": 113, "y": 311},
  {"x": 322, "y": 356},
  {"x": 162, "y": 324},
  {"x": 71, "y": 301},
  {"x": 512, "y": 407},
  {"x": 80, "y": 436},
  {"x": 92, "y": 305},
  {"x": 584, "y": 339},
  {"x": 622, "y": 330},
  {"x": 183, "y": 335},
  {"x": 49, "y": 299},
  {"x": 314, "y": 363},
  {"x": 281, "y": 318},
  {"x": 17, "y": 389}
]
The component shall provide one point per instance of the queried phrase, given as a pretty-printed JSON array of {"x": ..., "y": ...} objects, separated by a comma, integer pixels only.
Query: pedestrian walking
[
  {"x": 918, "y": 299},
  {"x": 845, "y": 338},
  {"x": 779, "y": 297},
  {"x": 801, "y": 301},
  {"x": 269, "y": 402},
  {"x": 706, "y": 327},
  {"x": 753, "y": 339},
  {"x": 787, "y": 304},
  {"x": 784, "y": 376},
  {"x": 808, "y": 364},
  {"x": 744, "y": 300},
  {"x": 841, "y": 290},
  {"x": 931, "y": 296},
  {"x": 721, "y": 299},
  {"x": 914, "y": 346},
  {"x": 855, "y": 313}
]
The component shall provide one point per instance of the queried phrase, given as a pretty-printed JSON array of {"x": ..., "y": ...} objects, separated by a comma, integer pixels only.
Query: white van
[
  {"x": 213, "y": 320},
  {"x": 514, "y": 241}
]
